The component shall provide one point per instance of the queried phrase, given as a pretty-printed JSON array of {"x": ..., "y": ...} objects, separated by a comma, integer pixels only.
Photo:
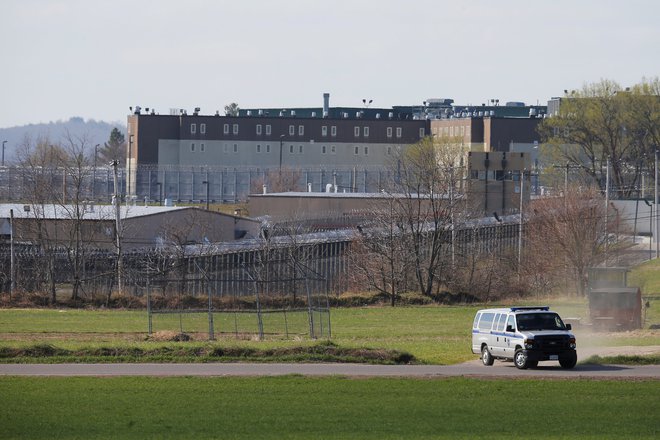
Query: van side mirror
[
  {"x": 509, "y": 329},
  {"x": 569, "y": 327}
]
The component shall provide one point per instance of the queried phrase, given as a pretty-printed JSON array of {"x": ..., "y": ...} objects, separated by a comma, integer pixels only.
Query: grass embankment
[
  {"x": 623, "y": 360},
  {"x": 322, "y": 352},
  {"x": 331, "y": 408}
]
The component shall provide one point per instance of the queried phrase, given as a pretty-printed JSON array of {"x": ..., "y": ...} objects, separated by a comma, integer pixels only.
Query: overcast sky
[{"x": 63, "y": 58}]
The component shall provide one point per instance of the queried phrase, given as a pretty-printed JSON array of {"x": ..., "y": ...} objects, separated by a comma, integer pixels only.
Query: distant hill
[{"x": 95, "y": 132}]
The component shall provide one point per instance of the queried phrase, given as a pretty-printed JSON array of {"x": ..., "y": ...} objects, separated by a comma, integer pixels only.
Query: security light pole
[
  {"x": 3, "y": 152},
  {"x": 96, "y": 150},
  {"x": 206, "y": 182},
  {"x": 281, "y": 144},
  {"x": 117, "y": 203}
]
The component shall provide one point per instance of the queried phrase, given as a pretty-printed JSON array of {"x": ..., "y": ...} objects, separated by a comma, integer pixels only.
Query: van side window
[
  {"x": 486, "y": 321},
  {"x": 500, "y": 324},
  {"x": 496, "y": 320},
  {"x": 511, "y": 322},
  {"x": 476, "y": 318}
]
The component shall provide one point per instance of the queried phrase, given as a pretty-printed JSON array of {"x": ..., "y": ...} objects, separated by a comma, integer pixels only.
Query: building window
[
  {"x": 235, "y": 129},
  {"x": 357, "y": 150},
  {"x": 333, "y": 130},
  {"x": 268, "y": 130},
  {"x": 365, "y": 131},
  {"x": 202, "y": 128},
  {"x": 398, "y": 132},
  {"x": 226, "y": 129},
  {"x": 366, "y": 151},
  {"x": 389, "y": 132},
  {"x": 389, "y": 151},
  {"x": 193, "y": 128},
  {"x": 226, "y": 148},
  {"x": 462, "y": 130},
  {"x": 268, "y": 146},
  {"x": 291, "y": 148},
  {"x": 323, "y": 149},
  {"x": 333, "y": 149},
  {"x": 451, "y": 131},
  {"x": 356, "y": 130},
  {"x": 300, "y": 149},
  {"x": 324, "y": 130},
  {"x": 202, "y": 148},
  {"x": 301, "y": 130},
  {"x": 192, "y": 147},
  {"x": 235, "y": 148},
  {"x": 258, "y": 148},
  {"x": 258, "y": 129},
  {"x": 292, "y": 130},
  {"x": 422, "y": 132}
]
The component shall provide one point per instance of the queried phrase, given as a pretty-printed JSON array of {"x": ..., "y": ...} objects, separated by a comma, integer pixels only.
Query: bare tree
[
  {"x": 569, "y": 231},
  {"x": 417, "y": 226},
  {"x": 379, "y": 255}
]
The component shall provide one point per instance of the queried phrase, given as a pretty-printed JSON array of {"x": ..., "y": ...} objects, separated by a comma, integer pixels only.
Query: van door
[
  {"x": 497, "y": 335},
  {"x": 509, "y": 344}
]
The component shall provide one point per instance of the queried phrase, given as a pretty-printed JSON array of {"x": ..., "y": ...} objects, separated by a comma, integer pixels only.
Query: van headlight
[{"x": 529, "y": 344}]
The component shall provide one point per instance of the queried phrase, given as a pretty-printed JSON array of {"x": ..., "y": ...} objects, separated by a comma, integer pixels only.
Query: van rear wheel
[
  {"x": 486, "y": 357},
  {"x": 521, "y": 360}
]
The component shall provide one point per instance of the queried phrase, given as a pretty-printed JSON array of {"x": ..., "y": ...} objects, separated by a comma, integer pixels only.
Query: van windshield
[{"x": 539, "y": 321}]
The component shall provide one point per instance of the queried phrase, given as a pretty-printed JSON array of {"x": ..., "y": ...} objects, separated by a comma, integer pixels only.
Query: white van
[{"x": 525, "y": 335}]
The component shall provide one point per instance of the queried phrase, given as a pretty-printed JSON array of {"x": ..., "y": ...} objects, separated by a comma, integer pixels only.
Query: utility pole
[
  {"x": 12, "y": 264},
  {"x": 655, "y": 198},
  {"x": 607, "y": 205},
  {"x": 117, "y": 204},
  {"x": 520, "y": 226}
]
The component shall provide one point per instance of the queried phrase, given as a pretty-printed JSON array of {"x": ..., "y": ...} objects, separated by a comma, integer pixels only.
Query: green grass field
[
  {"x": 330, "y": 408},
  {"x": 433, "y": 334}
]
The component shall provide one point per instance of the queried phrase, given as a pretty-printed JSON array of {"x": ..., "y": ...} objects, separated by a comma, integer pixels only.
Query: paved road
[{"x": 468, "y": 369}]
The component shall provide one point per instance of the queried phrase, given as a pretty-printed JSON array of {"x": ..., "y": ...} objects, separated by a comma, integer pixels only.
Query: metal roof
[{"x": 90, "y": 211}]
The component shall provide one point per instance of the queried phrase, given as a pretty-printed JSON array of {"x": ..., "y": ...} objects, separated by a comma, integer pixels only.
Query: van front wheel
[
  {"x": 486, "y": 357},
  {"x": 521, "y": 360}
]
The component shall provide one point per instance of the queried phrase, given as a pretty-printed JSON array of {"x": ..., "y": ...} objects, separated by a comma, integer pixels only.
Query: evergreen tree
[{"x": 114, "y": 149}]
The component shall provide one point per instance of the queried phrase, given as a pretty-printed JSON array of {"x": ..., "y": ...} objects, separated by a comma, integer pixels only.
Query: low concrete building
[{"x": 142, "y": 226}]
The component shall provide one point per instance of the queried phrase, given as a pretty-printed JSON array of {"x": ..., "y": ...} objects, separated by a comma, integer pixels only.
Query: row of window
[
  {"x": 292, "y": 149},
  {"x": 364, "y": 131},
  {"x": 449, "y": 131}
]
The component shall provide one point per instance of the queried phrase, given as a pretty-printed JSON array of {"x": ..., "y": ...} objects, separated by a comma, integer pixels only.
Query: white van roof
[{"x": 516, "y": 309}]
